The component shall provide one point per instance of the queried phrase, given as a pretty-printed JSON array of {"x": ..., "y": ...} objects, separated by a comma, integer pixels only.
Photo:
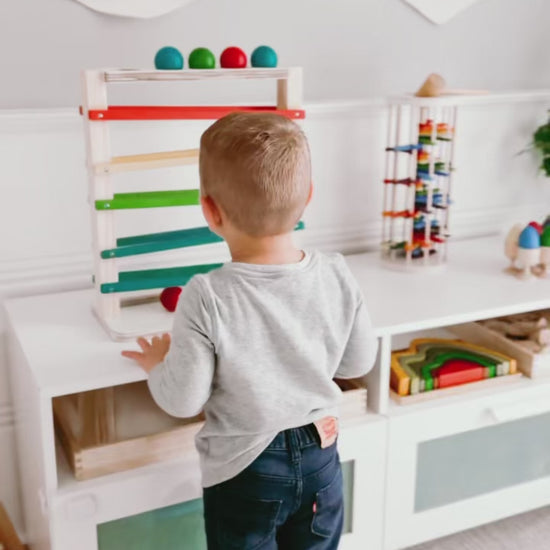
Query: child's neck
[{"x": 276, "y": 249}]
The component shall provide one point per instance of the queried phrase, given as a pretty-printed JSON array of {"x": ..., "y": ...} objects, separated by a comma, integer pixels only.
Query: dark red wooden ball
[
  {"x": 169, "y": 297},
  {"x": 233, "y": 58},
  {"x": 537, "y": 226}
]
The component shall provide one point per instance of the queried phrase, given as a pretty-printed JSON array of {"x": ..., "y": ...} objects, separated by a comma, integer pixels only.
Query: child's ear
[
  {"x": 310, "y": 193},
  {"x": 211, "y": 213}
]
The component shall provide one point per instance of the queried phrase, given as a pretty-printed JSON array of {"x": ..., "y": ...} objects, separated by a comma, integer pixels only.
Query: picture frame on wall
[
  {"x": 440, "y": 11},
  {"x": 142, "y": 9}
]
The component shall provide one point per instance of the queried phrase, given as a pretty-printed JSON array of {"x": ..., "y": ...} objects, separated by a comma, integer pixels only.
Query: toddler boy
[{"x": 256, "y": 345}]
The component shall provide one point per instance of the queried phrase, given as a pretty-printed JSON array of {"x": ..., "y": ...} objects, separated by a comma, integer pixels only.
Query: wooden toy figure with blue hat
[{"x": 528, "y": 249}]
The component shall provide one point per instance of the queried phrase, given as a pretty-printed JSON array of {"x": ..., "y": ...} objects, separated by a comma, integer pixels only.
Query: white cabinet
[
  {"x": 462, "y": 460},
  {"x": 465, "y": 461},
  {"x": 57, "y": 348}
]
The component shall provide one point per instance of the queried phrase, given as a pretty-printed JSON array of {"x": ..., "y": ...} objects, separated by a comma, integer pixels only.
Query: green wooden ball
[{"x": 202, "y": 58}]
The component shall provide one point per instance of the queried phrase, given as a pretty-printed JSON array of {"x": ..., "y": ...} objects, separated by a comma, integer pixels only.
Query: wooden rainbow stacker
[
  {"x": 115, "y": 288},
  {"x": 431, "y": 366}
]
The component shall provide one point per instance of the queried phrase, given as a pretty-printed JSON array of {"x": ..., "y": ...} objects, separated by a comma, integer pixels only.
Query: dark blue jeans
[{"x": 289, "y": 498}]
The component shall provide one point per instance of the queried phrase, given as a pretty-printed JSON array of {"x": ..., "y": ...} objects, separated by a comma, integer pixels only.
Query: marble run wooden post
[{"x": 98, "y": 151}]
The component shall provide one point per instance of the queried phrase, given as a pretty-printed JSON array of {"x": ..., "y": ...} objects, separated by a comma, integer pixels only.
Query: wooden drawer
[
  {"x": 114, "y": 429},
  {"x": 354, "y": 398}
]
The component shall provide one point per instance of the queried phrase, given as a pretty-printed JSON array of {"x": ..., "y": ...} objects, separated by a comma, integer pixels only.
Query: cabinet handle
[{"x": 515, "y": 411}]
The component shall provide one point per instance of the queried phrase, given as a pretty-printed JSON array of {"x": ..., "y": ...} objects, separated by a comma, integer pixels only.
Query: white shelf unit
[
  {"x": 58, "y": 348},
  {"x": 424, "y": 498}
]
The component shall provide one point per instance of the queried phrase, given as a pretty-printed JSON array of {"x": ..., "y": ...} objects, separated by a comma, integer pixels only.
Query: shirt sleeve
[
  {"x": 361, "y": 349},
  {"x": 362, "y": 345},
  {"x": 181, "y": 384}
]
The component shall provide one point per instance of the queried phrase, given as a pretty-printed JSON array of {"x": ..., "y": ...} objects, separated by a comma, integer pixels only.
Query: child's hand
[{"x": 153, "y": 353}]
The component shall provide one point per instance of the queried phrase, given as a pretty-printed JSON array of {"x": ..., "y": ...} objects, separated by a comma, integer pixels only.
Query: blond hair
[{"x": 257, "y": 168}]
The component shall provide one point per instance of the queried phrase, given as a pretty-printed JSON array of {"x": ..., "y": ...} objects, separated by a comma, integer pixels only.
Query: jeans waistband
[{"x": 304, "y": 436}]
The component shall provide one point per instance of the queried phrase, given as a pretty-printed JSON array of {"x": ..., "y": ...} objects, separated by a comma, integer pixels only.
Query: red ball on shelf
[
  {"x": 169, "y": 297},
  {"x": 233, "y": 58},
  {"x": 537, "y": 226}
]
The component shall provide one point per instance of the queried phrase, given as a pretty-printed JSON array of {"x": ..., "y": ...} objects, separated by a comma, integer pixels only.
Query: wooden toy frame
[{"x": 114, "y": 287}]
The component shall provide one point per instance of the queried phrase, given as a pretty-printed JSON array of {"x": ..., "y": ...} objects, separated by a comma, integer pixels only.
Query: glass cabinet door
[
  {"x": 177, "y": 527},
  {"x": 461, "y": 466}
]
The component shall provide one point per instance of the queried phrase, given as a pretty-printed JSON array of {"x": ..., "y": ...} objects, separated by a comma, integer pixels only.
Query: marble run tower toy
[{"x": 417, "y": 183}]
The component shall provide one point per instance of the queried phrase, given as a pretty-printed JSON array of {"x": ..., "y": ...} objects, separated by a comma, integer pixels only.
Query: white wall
[{"x": 349, "y": 48}]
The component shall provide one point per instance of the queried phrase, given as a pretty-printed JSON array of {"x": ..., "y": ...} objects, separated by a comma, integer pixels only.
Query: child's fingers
[
  {"x": 143, "y": 344},
  {"x": 166, "y": 338}
]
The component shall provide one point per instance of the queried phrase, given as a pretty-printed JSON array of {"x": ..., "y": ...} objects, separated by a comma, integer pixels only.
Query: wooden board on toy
[{"x": 531, "y": 362}]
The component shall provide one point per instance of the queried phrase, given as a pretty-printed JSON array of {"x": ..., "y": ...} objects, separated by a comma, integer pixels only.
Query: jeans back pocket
[
  {"x": 245, "y": 523},
  {"x": 329, "y": 507}
]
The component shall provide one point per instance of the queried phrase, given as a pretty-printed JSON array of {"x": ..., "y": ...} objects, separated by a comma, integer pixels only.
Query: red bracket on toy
[{"x": 161, "y": 112}]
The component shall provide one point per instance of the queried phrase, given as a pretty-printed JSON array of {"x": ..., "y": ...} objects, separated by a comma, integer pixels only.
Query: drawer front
[
  {"x": 458, "y": 467},
  {"x": 362, "y": 449}
]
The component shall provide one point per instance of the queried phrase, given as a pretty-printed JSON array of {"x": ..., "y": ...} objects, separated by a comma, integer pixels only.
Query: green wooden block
[
  {"x": 156, "y": 278},
  {"x": 167, "y": 240},
  {"x": 150, "y": 199},
  {"x": 441, "y": 359},
  {"x": 157, "y": 242}
]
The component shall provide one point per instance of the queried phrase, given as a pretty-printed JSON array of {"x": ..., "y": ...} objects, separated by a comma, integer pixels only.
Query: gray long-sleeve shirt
[{"x": 257, "y": 347}]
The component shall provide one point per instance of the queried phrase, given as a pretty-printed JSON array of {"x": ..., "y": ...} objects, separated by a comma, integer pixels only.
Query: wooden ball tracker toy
[{"x": 127, "y": 298}]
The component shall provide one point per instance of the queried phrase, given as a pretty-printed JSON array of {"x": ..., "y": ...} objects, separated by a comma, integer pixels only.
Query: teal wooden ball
[
  {"x": 168, "y": 58},
  {"x": 263, "y": 56}
]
